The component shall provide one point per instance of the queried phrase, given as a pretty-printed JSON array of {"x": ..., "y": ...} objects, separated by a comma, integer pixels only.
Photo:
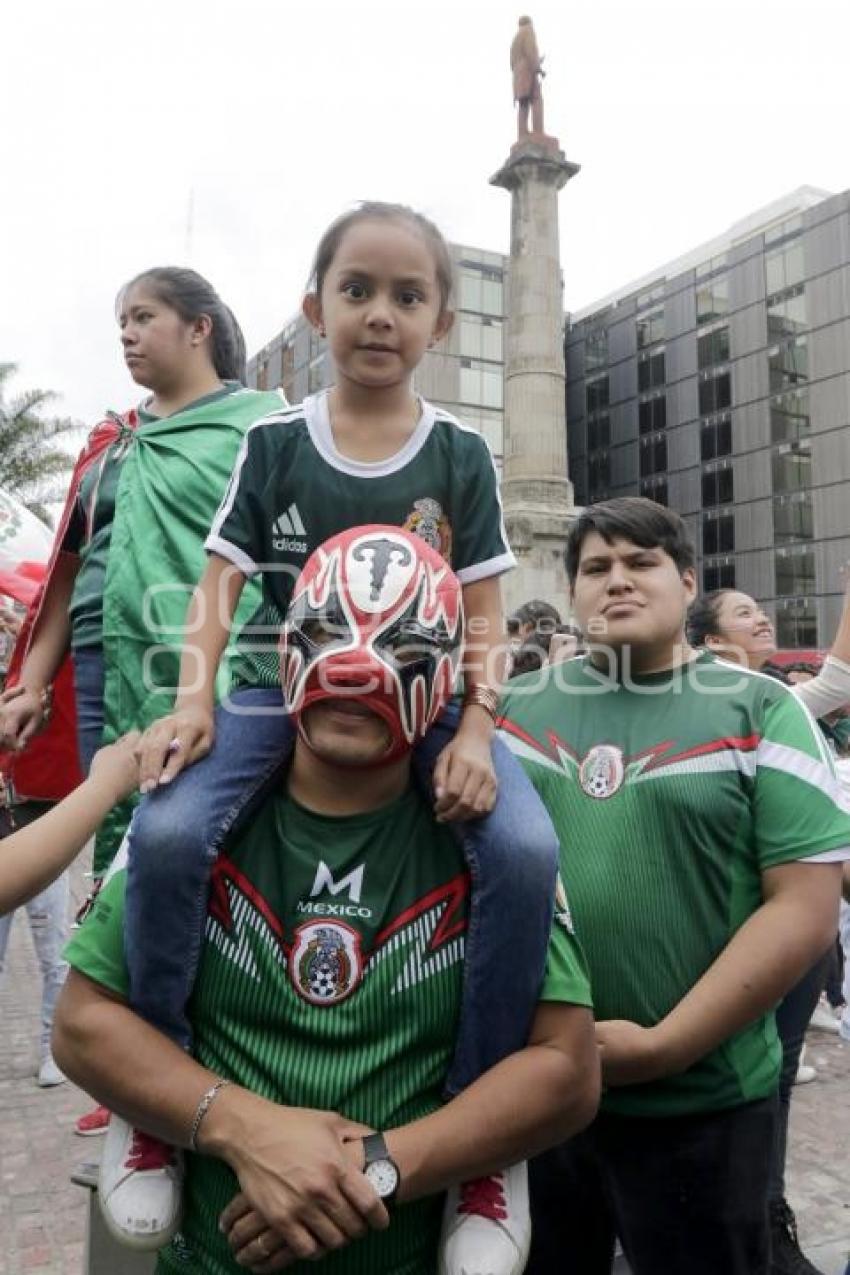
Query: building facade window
[
  {"x": 718, "y": 574},
  {"x": 788, "y": 364},
  {"x": 481, "y": 338},
  {"x": 795, "y": 571},
  {"x": 714, "y": 392},
  {"x": 793, "y": 517},
  {"x": 598, "y": 476},
  {"x": 712, "y": 300},
  {"x": 480, "y": 383},
  {"x": 712, "y": 266},
  {"x": 652, "y": 414},
  {"x": 713, "y": 347},
  {"x": 784, "y": 268},
  {"x": 651, "y": 371},
  {"x": 596, "y": 394},
  {"x": 718, "y": 533},
  {"x": 650, "y": 328},
  {"x": 480, "y": 289},
  {"x": 789, "y": 416},
  {"x": 598, "y": 432},
  {"x": 786, "y": 313},
  {"x": 792, "y": 466},
  {"x": 796, "y": 623},
  {"x": 653, "y": 454},
  {"x": 654, "y": 489},
  {"x": 596, "y": 350},
  {"x": 715, "y": 437},
  {"x": 718, "y": 487}
]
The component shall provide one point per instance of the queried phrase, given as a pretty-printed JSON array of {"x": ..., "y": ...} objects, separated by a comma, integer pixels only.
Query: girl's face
[
  {"x": 380, "y": 304},
  {"x": 744, "y": 632},
  {"x": 157, "y": 341}
]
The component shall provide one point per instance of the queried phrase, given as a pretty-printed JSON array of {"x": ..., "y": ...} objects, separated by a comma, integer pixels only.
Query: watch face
[{"x": 384, "y": 1177}]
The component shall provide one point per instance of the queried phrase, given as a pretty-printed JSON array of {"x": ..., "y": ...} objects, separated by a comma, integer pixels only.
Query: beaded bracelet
[{"x": 203, "y": 1107}]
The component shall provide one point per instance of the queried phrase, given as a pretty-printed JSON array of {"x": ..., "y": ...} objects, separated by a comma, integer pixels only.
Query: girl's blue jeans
[{"x": 178, "y": 832}]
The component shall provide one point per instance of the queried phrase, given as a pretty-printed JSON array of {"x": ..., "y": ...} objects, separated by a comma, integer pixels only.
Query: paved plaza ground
[{"x": 42, "y": 1215}]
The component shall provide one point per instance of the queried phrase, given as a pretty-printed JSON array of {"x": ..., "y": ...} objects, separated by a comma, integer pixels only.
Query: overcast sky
[{"x": 227, "y": 135}]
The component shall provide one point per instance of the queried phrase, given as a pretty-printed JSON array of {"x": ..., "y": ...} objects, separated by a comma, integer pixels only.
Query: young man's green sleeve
[
  {"x": 566, "y": 977},
  {"x": 801, "y": 809}
]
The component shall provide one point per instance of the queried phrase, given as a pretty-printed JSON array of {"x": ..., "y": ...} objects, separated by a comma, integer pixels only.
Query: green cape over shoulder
[{"x": 172, "y": 481}]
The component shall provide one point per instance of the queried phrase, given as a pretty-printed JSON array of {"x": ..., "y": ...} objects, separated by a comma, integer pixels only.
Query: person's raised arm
[
  {"x": 831, "y": 688},
  {"x": 464, "y": 778},
  {"x": 186, "y": 734},
  {"x": 23, "y": 707},
  {"x": 35, "y": 855}
]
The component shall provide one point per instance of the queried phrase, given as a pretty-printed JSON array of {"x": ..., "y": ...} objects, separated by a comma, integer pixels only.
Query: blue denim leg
[
  {"x": 512, "y": 856},
  {"x": 174, "y": 840},
  {"x": 88, "y": 698}
]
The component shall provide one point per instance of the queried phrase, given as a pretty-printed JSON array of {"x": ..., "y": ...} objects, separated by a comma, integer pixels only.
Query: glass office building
[{"x": 720, "y": 385}]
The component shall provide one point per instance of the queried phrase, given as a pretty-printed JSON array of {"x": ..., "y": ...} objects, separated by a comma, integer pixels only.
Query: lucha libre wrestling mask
[{"x": 376, "y": 616}]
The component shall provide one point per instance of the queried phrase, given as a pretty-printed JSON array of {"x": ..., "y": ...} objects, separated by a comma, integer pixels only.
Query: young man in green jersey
[
  {"x": 702, "y": 832},
  {"x": 330, "y": 982}
]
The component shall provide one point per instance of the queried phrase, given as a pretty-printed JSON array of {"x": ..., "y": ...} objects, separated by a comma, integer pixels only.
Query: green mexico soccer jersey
[
  {"x": 291, "y": 489},
  {"x": 671, "y": 794},
  {"x": 330, "y": 978}
]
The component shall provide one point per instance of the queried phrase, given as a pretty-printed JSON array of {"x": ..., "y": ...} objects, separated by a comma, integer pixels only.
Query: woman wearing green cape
[{"x": 129, "y": 547}]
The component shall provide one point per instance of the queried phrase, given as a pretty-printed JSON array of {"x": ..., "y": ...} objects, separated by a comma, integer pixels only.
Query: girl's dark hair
[
  {"x": 704, "y": 616},
  {"x": 632, "y": 518},
  {"x": 375, "y": 210},
  {"x": 191, "y": 295}
]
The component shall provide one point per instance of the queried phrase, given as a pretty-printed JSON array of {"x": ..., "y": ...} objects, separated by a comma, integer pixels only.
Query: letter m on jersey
[{"x": 353, "y": 883}]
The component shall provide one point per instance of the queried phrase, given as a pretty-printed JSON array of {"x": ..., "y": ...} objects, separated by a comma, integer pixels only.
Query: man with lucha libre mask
[{"x": 327, "y": 1000}]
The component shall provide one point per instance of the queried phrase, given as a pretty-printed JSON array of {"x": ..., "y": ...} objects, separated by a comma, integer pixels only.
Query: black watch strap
[{"x": 374, "y": 1148}]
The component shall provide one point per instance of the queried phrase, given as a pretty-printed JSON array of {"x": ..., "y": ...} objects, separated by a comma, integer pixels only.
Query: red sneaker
[{"x": 92, "y": 1123}]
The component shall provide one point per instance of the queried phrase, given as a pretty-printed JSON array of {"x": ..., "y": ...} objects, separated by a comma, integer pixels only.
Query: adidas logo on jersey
[{"x": 288, "y": 527}]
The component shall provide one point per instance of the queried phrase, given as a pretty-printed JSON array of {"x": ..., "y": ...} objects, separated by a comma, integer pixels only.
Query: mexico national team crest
[
  {"x": 429, "y": 523},
  {"x": 602, "y": 772},
  {"x": 325, "y": 964}
]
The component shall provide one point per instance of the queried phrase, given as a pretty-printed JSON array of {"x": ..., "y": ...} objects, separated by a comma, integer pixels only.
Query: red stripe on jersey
[{"x": 452, "y": 893}]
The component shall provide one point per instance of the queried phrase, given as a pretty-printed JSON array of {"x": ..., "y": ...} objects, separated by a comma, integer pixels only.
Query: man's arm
[
  {"x": 528, "y": 1102},
  {"x": 290, "y": 1162},
  {"x": 769, "y": 954}
]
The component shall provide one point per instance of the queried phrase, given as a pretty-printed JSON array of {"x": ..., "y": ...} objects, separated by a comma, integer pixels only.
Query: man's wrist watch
[{"x": 380, "y": 1168}]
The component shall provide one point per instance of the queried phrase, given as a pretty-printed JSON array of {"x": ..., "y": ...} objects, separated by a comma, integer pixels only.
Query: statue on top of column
[{"x": 527, "y": 68}]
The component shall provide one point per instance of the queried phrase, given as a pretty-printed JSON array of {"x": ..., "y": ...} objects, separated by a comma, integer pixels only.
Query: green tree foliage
[{"x": 32, "y": 467}]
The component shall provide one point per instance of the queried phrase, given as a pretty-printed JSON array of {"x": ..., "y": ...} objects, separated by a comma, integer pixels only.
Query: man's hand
[
  {"x": 629, "y": 1054},
  {"x": 297, "y": 1172},
  {"x": 175, "y": 741},
  {"x": 464, "y": 779},
  {"x": 22, "y": 714},
  {"x": 117, "y": 766}
]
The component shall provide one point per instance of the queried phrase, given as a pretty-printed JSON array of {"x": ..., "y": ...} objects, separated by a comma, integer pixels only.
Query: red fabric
[{"x": 48, "y": 768}]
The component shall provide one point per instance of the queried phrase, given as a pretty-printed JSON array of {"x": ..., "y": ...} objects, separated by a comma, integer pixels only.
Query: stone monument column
[{"x": 536, "y": 491}]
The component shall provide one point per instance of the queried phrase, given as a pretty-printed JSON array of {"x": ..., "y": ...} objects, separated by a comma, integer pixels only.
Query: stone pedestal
[{"x": 536, "y": 490}]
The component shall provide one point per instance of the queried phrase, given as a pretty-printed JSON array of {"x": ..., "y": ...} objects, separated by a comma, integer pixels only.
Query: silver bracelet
[{"x": 203, "y": 1107}]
